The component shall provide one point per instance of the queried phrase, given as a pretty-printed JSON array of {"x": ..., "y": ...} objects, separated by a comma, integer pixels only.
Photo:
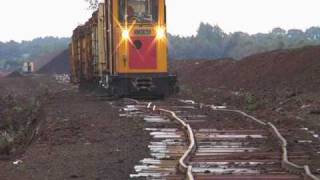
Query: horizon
[
  {"x": 247, "y": 16},
  {"x": 61, "y": 37}
]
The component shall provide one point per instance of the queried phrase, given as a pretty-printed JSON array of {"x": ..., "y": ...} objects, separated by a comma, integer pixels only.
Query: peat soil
[
  {"x": 78, "y": 134},
  {"x": 57, "y": 65},
  {"x": 282, "y": 87}
]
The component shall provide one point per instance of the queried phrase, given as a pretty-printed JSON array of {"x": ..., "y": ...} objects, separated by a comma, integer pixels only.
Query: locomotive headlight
[
  {"x": 161, "y": 32},
  {"x": 125, "y": 34}
]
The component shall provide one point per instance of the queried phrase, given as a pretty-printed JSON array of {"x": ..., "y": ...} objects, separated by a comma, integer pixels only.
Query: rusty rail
[
  {"x": 285, "y": 163},
  {"x": 183, "y": 161}
]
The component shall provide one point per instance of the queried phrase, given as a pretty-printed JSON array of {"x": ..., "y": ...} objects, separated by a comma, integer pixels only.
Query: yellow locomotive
[{"x": 123, "y": 48}]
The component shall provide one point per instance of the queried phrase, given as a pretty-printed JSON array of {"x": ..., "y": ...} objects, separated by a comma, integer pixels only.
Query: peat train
[{"x": 123, "y": 49}]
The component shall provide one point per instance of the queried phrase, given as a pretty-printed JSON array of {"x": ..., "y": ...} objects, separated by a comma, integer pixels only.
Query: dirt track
[{"x": 80, "y": 137}]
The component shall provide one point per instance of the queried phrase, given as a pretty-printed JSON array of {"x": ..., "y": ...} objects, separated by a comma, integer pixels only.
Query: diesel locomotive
[{"x": 123, "y": 49}]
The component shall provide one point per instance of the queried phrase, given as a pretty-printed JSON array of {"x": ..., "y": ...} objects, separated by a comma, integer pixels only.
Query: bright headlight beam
[
  {"x": 125, "y": 34},
  {"x": 161, "y": 33}
]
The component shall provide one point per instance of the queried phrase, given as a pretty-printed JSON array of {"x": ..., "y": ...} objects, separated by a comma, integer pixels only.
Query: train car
[{"x": 123, "y": 49}]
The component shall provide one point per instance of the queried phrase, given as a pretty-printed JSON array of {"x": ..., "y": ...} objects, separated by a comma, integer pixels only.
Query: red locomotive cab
[{"x": 142, "y": 37}]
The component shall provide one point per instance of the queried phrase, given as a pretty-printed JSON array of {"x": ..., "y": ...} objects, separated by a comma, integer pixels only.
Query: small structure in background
[{"x": 28, "y": 67}]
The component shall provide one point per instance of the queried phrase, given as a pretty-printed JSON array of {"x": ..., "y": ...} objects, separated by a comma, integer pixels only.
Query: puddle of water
[
  {"x": 177, "y": 143},
  {"x": 149, "y": 174},
  {"x": 231, "y": 136},
  {"x": 192, "y": 116},
  {"x": 131, "y": 114},
  {"x": 130, "y": 108},
  {"x": 219, "y": 107},
  {"x": 165, "y": 135},
  {"x": 130, "y": 111},
  {"x": 220, "y": 146},
  {"x": 194, "y": 121},
  {"x": 153, "y": 168},
  {"x": 211, "y": 154},
  {"x": 304, "y": 141},
  {"x": 187, "y": 101},
  {"x": 226, "y": 164},
  {"x": 181, "y": 107},
  {"x": 225, "y": 150},
  {"x": 228, "y": 131},
  {"x": 156, "y": 119},
  {"x": 222, "y": 143},
  {"x": 162, "y": 129},
  {"x": 164, "y": 163},
  {"x": 167, "y": 149},
  {"x": 220, "y": 170}
]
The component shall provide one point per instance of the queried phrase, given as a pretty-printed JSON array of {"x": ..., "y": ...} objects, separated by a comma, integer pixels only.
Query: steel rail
[
  {"x": 285, "y": 163},
  {"x": 185, "y": 168},
  {"x": 192, "y": 145},
  {"x": 183, "y": 161}
]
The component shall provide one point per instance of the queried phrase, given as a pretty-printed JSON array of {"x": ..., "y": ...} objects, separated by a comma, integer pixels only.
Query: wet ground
[{"x": 239, "y": 148}]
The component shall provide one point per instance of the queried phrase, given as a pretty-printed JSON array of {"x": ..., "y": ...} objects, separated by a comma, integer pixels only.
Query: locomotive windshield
[{"x": 140, "y": 11}]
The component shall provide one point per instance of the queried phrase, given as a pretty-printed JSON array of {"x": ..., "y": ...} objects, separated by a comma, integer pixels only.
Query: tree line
[
  {"x": 211, "y": 42},
  {"x": 13, "y": 54}
]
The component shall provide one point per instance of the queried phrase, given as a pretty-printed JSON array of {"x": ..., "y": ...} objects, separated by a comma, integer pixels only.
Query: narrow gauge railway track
[{"x": 189, "y": 142}]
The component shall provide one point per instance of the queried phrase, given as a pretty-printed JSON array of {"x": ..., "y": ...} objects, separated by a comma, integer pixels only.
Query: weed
[{"x": 251, "y": 102}]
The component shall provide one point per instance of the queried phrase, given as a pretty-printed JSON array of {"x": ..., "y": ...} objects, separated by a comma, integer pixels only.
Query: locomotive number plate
[{"x": 142, "y": 32}]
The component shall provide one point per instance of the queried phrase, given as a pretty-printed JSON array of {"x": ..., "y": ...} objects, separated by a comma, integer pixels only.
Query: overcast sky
[{"x": 27, "y": 19}]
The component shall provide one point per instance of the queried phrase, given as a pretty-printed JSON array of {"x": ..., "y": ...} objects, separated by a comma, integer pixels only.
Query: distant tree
[
  {"x": 12, "y": 53},
  {"x": 279, "y": 31},
  {"x": 212, "y": 42},
  {"x": 313, "y": 33},
  {"x": 295, "y": 33}
]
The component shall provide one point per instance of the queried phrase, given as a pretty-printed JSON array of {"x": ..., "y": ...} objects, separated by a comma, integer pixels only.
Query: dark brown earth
[
  {"x": 77, "y": 135},
  {"x": 43, "y": 60},
  {"x": 80, "y": 136},
  {"x": 58, "y": 64}
]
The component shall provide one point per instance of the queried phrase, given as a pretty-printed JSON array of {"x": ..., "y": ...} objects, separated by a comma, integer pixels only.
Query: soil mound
[
  {"x": 296, "y": 68},
  {"x": 58, "y": 65},
  {"x": 14, "y": 74},
  {"x": 43, "y": 60}
]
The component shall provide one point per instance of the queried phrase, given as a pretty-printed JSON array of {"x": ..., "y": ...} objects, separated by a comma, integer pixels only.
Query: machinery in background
[{"x": 28, "y": 67}]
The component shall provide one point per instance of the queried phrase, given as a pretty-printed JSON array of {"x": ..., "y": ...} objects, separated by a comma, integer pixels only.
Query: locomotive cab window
[{"x": 140, "y": 11}]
